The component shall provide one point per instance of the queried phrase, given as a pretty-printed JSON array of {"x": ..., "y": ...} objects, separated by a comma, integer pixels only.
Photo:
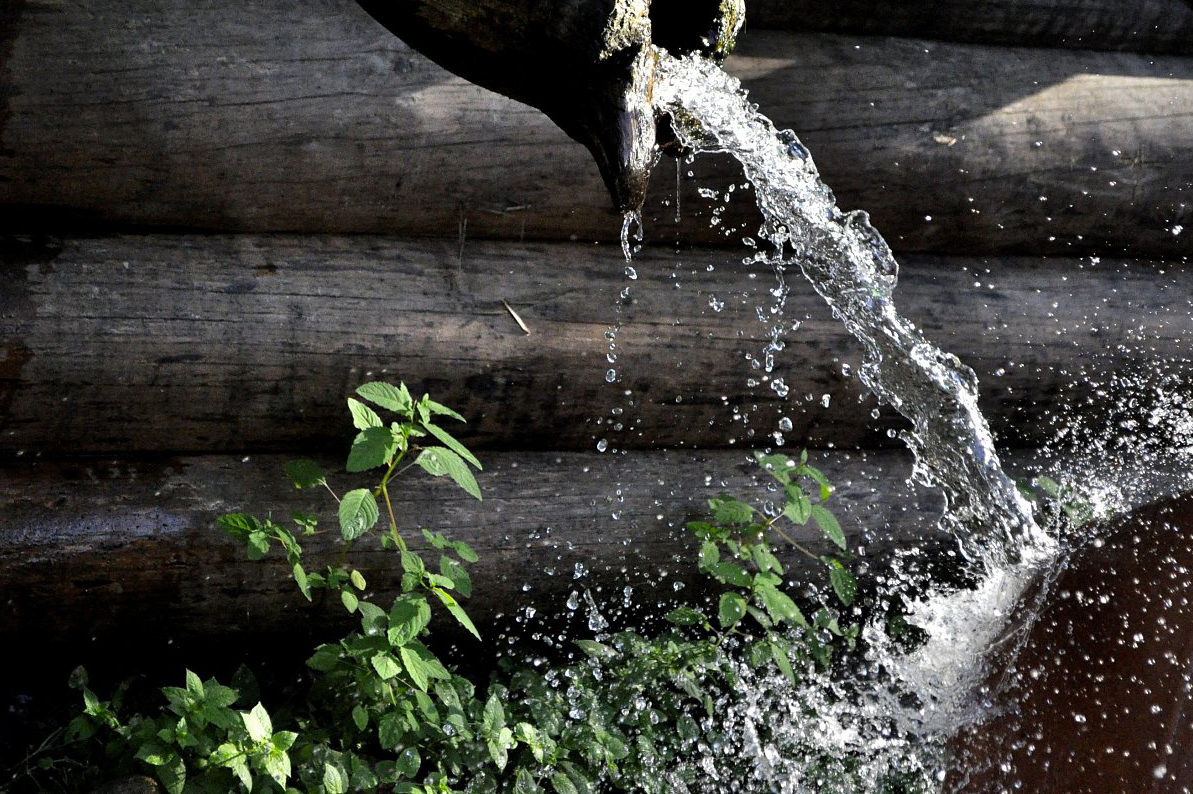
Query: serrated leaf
[
  {"x": 408, "y": 762},
  {"x": 782, "y": 662},
  {"x": 443, "y": 410},
  {"x": 360, "y": 717},
  {"x": 358, "y": 513},
  {"x": 300, "y": 578},
  {"x": 826, "y": 490},
  {"x": 844, "y": 585},
  {"x": 797, "y": 508},
  {"x": 685, "y": 616},
  {"x": 438, "y": 461},
  {"x": 829, "y": 526},
  {"x": 238, "y": 525},
  {"x": 456, "y": 610},
  {"x": 393, "y": 398},
  {"x": 257, "y": 723},
  {"x": 464, "y": 551},
  {"x": 731, "y": 573},
  {"x": 777, "y": 466},
  {"x": 419, "y": 674},
  {"x": 335, "y": 780},
  {"x": 349, "y": 600},
  {"x": 363, "y": 417},
  {"x": 324, "y": 658},
  {"x": 780, "y": 606},
  {"x": 451, "y": 443},
  {"x": 408, "y": 617},
  {"x": 172, "y": 775},
  {"x": 731, "y": 609},
  {"x": 596, "y": 650},
  {"x": 458, "y": 576},
  {"x": 385, "y": 665},
  {"x": 304, "y": 473},
  {"x": 372, "y": 448},
  {"x": 728, "y": 510}
]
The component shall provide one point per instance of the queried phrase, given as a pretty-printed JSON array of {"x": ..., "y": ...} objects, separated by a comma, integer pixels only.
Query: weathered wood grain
[
  {"x": 174, "y": 344},
  {"x": 289, "y": 116},
  {"x": 89, "y": 548},
  {"x": 1156, "y": 26},
  {"x": 92, "y": 548}
]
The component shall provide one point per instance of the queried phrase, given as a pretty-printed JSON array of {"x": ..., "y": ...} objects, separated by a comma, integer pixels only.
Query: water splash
[{"x": 850, "y": 265}]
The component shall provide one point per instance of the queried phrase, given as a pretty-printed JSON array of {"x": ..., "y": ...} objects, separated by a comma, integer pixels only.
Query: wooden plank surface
[
  {"x": 90, "y": 547},
  {"x": 174, "y": 344},
  {"x": 1154, "y": 26},
  {"x": 289, "y": 116}
]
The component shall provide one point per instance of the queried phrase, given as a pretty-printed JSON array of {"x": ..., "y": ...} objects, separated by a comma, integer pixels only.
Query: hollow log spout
[{"x": 587, "y": 64}]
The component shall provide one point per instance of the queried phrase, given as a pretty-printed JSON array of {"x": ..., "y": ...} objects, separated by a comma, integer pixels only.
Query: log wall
[
  {"x": 1157, "y": 26},
  {"x": 172, "y": 344},
  {"x": 307, "y": 116}
]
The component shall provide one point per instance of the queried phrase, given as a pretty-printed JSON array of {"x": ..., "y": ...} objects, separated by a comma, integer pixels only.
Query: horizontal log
[
  {"x": 1155, "y": 26},
  {"x": 92, "y": 547},
  {"x": 172, "y": 344},
  {"x": 288, "y": 116}
]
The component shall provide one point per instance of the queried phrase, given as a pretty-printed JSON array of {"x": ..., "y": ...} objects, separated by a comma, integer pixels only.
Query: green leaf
[
  {"x": 325, "y": 658},
  {"x": 493, "y": 717},
  {"x": 172, "y": 775},
  {"x": 408, "y": 762},
  {"x": 710, "y": 553},
  {"x": 349, "y": 600},
  {"x": 284, "y": 740},
  {"x": 300, "y": 578},
  {"x": 360, "y": 716},
  {"x": 826, "y": 490},
  {"x": 408, "y": 617},
  {"x": 372, "y": 448},
  {"x": 363, "y": 417},
  {"x": 304, "y": 473},
  {"x": 335, "y": 780},
  {"x": 396, "y": 399},
  {"x": 443, "y": 410},
  {"x": 844, "y": 585},
  {"x": 596, "y": 650},
  {"x": 456, "y": 610},
  {"x": 829, "y": 526},
  {"x": 562, "y": 784},
  {"x": 731, "y": 573},
  {"x": 524, "y": 783},
  {"x": 728, "y": 510},
  {"x": 438, "y": 461},
  {"x": 1048, "y": 485},
  {"x": 782, "y": 662},
  {"x": 780, "y": 606},
  {"x": 731, "y": 609},
  {"x": 797, "y": 508},
  {"x": 414, "y": 665},
  {"x": 458, "y": 576},
  {"x": 450, "y": 442},
  {"x": 464, "y": 551},
  {"x": 358, "y": 580},
  {"x": 194, "y": 685},
  {"x": 238, "y": 525},
  {"x": 686, "y": 616},
  {"x": 358, "y": 513},
  {"x": 257, "y": 723},
  {"x": 386, "y": 666},
  {"x": 258, "y": 545},
  {"x": 777, "y": 466}
]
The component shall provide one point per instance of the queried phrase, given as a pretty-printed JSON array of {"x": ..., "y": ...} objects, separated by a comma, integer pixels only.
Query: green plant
[{"x": 632, "y": 712}]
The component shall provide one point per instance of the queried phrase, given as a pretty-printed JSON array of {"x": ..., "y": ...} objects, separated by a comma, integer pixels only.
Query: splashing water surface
[{"x": 852, "y": 268}]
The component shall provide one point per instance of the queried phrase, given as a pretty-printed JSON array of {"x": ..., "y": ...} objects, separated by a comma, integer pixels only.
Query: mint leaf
[
  {"x": 358, "y": 513},
  {"x": 438, "y": 461},
  {"x": 257, "y": 723},
  {"x": 457, "y": 611},
  {"x": 372, "y": 448},
  {"x": 828, "y": 525},
  {"x": 450, "y": 442},
  {"x": 731, "y": 609},
  {"x": 396, "y": 399},
  {"x": 844, "y": 585},
  {"x": 363, "y": 417},
  {"x": 304, "y": 473}
]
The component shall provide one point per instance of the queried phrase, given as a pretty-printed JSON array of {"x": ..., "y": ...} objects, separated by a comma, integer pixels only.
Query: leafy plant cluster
[{"x": 384, "y": 713}]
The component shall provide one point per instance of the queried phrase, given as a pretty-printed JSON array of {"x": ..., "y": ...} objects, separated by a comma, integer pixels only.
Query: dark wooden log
[
  {"x": 288, "y": 116},
  {"x": 174, "y": 344},
  {"x": 1156, "y": 26},
  {"x": 91, "y": 548}
]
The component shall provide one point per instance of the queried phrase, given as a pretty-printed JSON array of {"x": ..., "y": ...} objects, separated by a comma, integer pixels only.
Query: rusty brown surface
[{"x": 1100, "y": 701}]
